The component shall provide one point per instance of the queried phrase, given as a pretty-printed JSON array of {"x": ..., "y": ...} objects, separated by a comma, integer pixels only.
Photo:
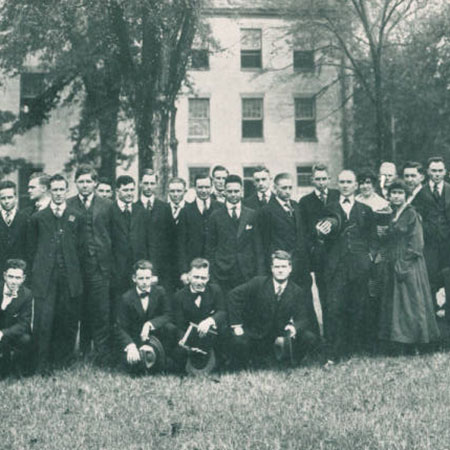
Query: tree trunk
[{"x": 173, "y": 140}]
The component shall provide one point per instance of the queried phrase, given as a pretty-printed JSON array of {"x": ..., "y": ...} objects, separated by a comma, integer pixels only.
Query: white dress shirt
[
  {"x": 146, "y": 200},
  {"x": 236, "y": 207},
  {"x": 124, "y": 206},
  {"x": 9, "y": 215},
  {"x": 144, "y": 300},
  {"x": 88, "y": 201},
  {"x": 440, "y": 187},
  {"x": 201, "y": 204},
  {"x": 279, "y": 287},
  {"x": 347, "y": 206},
  {"x": 55, "y": 208}
]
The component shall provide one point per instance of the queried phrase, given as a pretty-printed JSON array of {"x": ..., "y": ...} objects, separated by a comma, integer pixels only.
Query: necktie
[
  {"x": 149, "y": 206},
  {"x": 8, "y": 218},
  {"x": 289, "y": 209},
  {"x": 234, "y": 213},
  {"x": 323, "y": 197},
  {"x": 205, "y": 207},
  {"x": 58, "y": 212},
  {"x": 144, "y": 300},
  {"x": 279, "y": 292},
  {"x": 175, "y": 211},
  {"x": 264, "y": 198},
  {"x": 85, "y": 201},
  {"x": 436, "y": 192}
]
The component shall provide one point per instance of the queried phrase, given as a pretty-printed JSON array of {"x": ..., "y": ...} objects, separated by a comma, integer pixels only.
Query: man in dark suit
[
  {"x": 263, "y": 194},
  {"x": 267, "y": 308},
  {"x": 128, "y": 238},
  {"x": 16, "y": 307},
  {"x": 38, "y": 190},
  {"x": 219, "y": 174},
  {"x": 160, "y": 230},
  {"x": 201, "y": 303},
  {"x": 350, "y": 234},
  {"x": 97, "y": 263},
  {"x": 13, "y": 225},
  {"x": 280, "y": 227},
  {"x": 433, "y": 204},
  {"x": 192, "y": 228},
  {"x": 144, "y": 310},
  {"x": 312, "y": 207},
  {"x": 413, "y": 175},
  {"x": 55, "y": 240},
  {"x": 231, "y": 245}
]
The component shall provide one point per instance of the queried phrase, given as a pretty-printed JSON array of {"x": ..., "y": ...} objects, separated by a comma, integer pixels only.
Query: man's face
[
  {"x": 35, "y": 189},
  {"x": 176, "y": 192},
  {"x": 8, "y": 199},
  {"x": 58, "y": 191},
  {"x": 347, "y": 183},
  {"x": 283, "y": 189},
  {"x": 366, "y": 187},
  {"x": 397, "y": 197},
  {"x": 104, "y": 190},
  {"x": 320, "y": 180},
  {"x": 85, "y": 184},
  {"x": 203, "y": 188},
  {"x": 262, "y": 181},
  {"x": 125, "y": 193},
  {"x": 143, "y": 279},
  {"x": 148, "y": 185},
  {"x": 219, "y": 179},
  {"x": 388, "y": 172},
  {"x": 14, "y": 278},
  {"x": 281, "y": 269},
  {"x": 233, "y": 193},
  {"x": 198, "y": 278},
  {"x": 412, "y": 177},
  {"x": 436, "y": 171}
]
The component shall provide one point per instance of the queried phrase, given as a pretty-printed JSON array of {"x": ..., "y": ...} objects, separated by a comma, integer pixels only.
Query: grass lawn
[{"x": 391, "y": 403}]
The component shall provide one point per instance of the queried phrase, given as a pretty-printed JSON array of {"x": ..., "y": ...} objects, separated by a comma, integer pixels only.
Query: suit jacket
[
  {"x": 253, "y": 202},
  {"x": 352, "y": 243},
  {"x": 212, "y": 305},
  {"x": 279, "y": 231},
  {"x": 192, "y": 232},
  {"x": 436, "y": 226},
  {"x": 231, "y": 246},
  {"x": 42, "y": 232},
  {"x": 311, "y": 210},
  {"x": 15, "y": 320},
  {"x": 13, "y": 239},
  {"x": 255, "y": 306},
  {"x": 99, "y": 245},
  {"x": 131, "y": 316},
  {"x": 129, "y": 241}
]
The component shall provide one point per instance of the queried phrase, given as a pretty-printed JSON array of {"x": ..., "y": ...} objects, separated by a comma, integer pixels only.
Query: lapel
[
  {"x": 243, "y": 219},
  {"x": 152, "y": 302},
  {"x": 95, "y": 208},
  {"x": 446, "y": 192},
  {"x": 120, "y": 219},
  {"x": 138, "y": 305},
  {"x": 279, "y": 210}
]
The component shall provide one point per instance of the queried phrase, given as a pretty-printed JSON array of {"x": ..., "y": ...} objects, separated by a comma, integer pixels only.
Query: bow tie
[
  {"x": 9, "y": 293},
  {"x": 143, "y": 294},
  {"x": 346, "y": 200}
]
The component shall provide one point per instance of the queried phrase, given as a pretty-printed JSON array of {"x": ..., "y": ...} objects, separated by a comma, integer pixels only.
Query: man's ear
[{"x": 133, "y": 277}]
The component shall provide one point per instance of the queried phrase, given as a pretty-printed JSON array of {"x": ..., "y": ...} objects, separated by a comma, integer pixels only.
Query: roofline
[{"x": 258, "y": 12}]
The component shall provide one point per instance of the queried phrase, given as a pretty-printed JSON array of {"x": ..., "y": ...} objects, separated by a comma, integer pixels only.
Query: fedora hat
[
  {"x": 201, "y": 363},
  {"x": 153, "y": 356}
]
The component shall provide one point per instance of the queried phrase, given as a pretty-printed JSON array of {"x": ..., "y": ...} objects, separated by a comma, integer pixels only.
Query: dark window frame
[
  {"x": 304, "y": 61},
  {"x": 251, "y": 58},
  {"x": 252, "y": 129},
  {"x": 305, "y": 125}
]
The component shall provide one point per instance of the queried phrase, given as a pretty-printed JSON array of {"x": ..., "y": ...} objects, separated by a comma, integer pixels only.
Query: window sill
[
  {"x": 314, "y": 139},
  {"x": 197, "y": 140},
  {"x": 199, "y": 69},
  {"x": 252, "y": 139},
  {"x": 251, "y": 69}
]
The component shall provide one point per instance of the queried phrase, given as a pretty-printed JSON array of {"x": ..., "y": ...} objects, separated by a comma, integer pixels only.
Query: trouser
[
  {"x": 56, "y": 321},
  {"x": 95, "y": 312},
  {"x": 15, "y": 354}
]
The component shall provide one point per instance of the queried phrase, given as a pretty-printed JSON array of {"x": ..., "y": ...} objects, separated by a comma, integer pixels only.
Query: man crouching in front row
[
  {"x": 15, "y": 318},
  {"x": 143, "y": 323},
  {"x": 272, "y": 316}
]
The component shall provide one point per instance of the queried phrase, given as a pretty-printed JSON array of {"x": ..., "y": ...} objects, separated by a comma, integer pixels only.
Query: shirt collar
[
  {"x": 139, "y": 292},
  {"x": 89, "y": 198},
  {"x": 179, "y": 206},
  {"x": 267, "y": 194},
  {"x": 6, "y": 291},
  {"x": 440, "y": 186},
  {"x": 230, "y": 206},
  {"x": 283, "y": 202},
  {"x": 150, "y": 199},
  {"x": 12, "y": 212},
  {"x": 122, "y": 205},
  {"x": 351, "y": 198},
  {"x": 319, "y": 193},
  {"x": 201, "y": 203},
  {"x": 277, "y": 283},
  {"x": 61, "y": 207},
  {"x": 196, "y": 292}
]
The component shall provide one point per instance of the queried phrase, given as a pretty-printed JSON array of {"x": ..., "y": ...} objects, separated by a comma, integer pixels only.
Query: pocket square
[{"x": 248, "y": 227}]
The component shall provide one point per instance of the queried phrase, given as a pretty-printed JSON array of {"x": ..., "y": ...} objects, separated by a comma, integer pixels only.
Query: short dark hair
[
  {"x": 58, "y": 177},
  {"x": 319, "y": 167},
  {"x": 174, "y": 180},
  {"x": 219, "y": 168},
  {"x": 123, "y": 180},
  {"x": 233, "y": 179},
  {"x": 86, "y": 169},
  {"x": 15, "y": 263},
  {"x": 44, "y": 178},
  {"x": 399, "y": 184},
  {"x": 8, "y": 184},
  {"x": 142, "y": 264},
  {"x": 435, "y": 159},
  {"x": 201, "y": 176},
  {"x": 150, "y": 172},
  {"x": 105, "y": 180},
  {"x": 281, "y": 254},
  {"x": 367, "y": 174},
  {"x": 261, "y": 169},
  {"x": 282, "y": 176},
  {"x": 413, "y": 165},
  {"x": 199, "y": 263}
]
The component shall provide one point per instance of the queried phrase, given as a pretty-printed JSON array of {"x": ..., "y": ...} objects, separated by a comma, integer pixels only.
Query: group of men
[{"x": 124, "y": 272}]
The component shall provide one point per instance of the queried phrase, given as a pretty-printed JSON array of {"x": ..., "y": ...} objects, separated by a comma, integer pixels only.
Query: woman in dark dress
[{"x": 407, "y": 313}]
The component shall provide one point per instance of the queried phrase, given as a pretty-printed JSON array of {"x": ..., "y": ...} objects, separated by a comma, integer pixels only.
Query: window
[
  {"x": 200, "y": 59},
  {"x": 304, "y": 174},
  {"x": 251, "y": 57},
  {"x": 249, "y": 185},
  {"x": 31, "y": 86},
  {"x": 198, "y": 119},
  {"x": 194, "y": 171},
  {"x": 305, "y": 118},
  {"x": 252, "y": 118},
  {"x": 303, "y": 60}
]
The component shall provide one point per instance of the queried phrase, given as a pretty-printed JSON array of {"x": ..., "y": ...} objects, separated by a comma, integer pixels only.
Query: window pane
[
  {"x": 199, "y": 59},
  {"x": 252, "y": 129},
  {"x": 250, "y": 39},
  {"x": 305, "y": 108},
  {"x": 194, "y": 171},
  {"x": 305, "y": 129},
  {"x": 303, "y": 60},
  {"x": 304, "y": 175},
  {"x": 198, "y": 118},
  {"x": 252, "y": 108},
  {"x": 251, "y": 59}
]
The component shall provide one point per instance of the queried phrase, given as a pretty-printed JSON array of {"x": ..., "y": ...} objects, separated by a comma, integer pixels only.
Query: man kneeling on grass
[
  {"x": 142, "y": 322},
  {"x": 15, "y": 318},
  {"x": 200, "y": 318},
  {"x": 271, "y": 315}
]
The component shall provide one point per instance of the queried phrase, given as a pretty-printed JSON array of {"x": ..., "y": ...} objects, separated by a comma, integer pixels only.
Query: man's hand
[
  {"x": 146, "y": 330},
  {"x": 238, "y": 330},
  {"x": 133, "y": 355},
  {"x": 1, "y": 335},
  {"x": 185, "y": 278},
  {"x": 324, "y": 227},
  {"x": 291, "y": 330},
  {"x": 205, "y": 325}
]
